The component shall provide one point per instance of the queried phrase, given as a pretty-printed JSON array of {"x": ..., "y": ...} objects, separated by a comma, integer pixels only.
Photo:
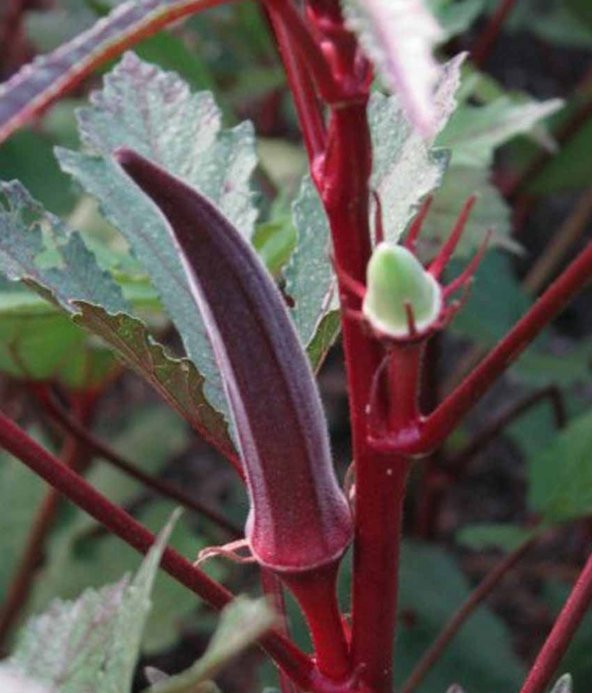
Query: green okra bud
[{"x": 398, "y": 287}]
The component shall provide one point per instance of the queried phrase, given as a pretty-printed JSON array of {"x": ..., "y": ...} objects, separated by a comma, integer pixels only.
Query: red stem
[
  {"x": 305, "y": 99},
  {"x": 294, "y": 662},
  {"x": 485, "y": 42},
  {"x": 273, "y": 590},
  {"x": 564, "y": 629},
  {"x": 445, "y": 418}
]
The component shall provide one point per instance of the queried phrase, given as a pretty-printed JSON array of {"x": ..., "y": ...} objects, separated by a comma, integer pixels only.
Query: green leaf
[
  {"x": 431, "y": 589},
  {"x": 310, "y": 280},
  {"x": 37, "y": 342},
  {"x": 495, "y": 304},
  {"x": 561, "y": 475},
  {"x": 325, "y": 336},
  {"x": 28, "y": 157},
  {"x": 154, "y": 113},
  {"x": 490, "y": 212},
  {"x": 486, "y": 536},
  {"x": 94, "y": 641},
  {"x": 567, "y": 367},
  {"x": 473, "y": 133},
  {"x": 274, "y": 242},
  {"x": 554, "y": 21},
  {"x": 406, "y": 167},
  {"x": 176, "y": 380},
  {"x": 20, "y": 494},
  {"x": 241, "y": 623},
  {"x": 14, "y": 682},
  {"x": 37, "y": 248},
  {"x": 455, "y": 16},
  {"x": 563, "y": 685},
  {"x": 399, "y": 37},
  {"x": 568, "y": 169}
]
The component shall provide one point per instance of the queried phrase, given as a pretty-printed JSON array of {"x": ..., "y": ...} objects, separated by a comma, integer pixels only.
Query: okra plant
[{"x": 375, "y": 252}]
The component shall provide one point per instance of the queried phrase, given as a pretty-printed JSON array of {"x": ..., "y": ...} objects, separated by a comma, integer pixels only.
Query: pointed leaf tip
[{"x": 299, "y": 516}]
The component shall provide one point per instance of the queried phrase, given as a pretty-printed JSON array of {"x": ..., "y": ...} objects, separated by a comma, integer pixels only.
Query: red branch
[
  {"x": 445, "y": 418},
  {"x": 563, "y": 631},
  {"x": 294, "y": 662}
]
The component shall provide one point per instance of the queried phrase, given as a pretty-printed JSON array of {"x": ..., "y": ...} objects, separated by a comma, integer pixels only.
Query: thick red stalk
[
  {"x": 445, "y": 418},
  {"x": 342, "y": 179},
  {"x": 294, "y": 662},
  {"x": 380, "y": 481},
  {"x": 564, "y": 629}
]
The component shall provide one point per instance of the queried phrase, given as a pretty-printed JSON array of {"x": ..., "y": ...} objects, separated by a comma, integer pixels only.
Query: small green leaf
[
  {"x": 274, "y": 241},
  {"x": 241, "y": 623},
  {"x": 95, "y": 640},
  {"x": 561, "y": 474},
  {"x": 455, "y": 16},
  {"x": 563, "y": 685},
  {"x": 37, "y": 342},
  {"x": 473, "y": 133},
  {"x": 495, "y": 304},
  {"x": 486, "y": 536}
]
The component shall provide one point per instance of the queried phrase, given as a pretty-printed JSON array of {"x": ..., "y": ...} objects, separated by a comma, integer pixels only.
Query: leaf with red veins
[
  {"x": 50, "y": 76},
  {"x": 299, "y": 516}
]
